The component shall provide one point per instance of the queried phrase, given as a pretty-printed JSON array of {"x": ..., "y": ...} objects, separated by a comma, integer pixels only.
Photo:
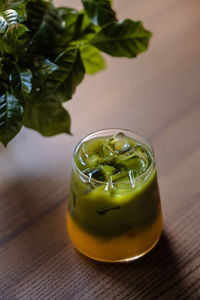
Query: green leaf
[
  {"x": 7, "y": 18},
  {"x": 126, "y": 38},
  {"x": 42, "y": 68},
  {"x": 3, "y": 25},
  {"x": 45, "y": 22},
  {"x": 63, "y": 82},
  {"x": 11, "y": 16},
  {"x": 11, "y": 113},
  {"x": 99, "y": 11},
  {"x": 6, "y": 66},
  {"x": 16, "y": 40},
  {"x": 76, "y": 28},
  {"x": 45, "y": 52},
  {"x": 92, "y": 59},
  {"x": 2, "y": 5},
  {"x": 15, "y": 3},
  {"x": 49, "y": 28},
  {"x": 21, "y": 82},
  {"x": 47, "y": 117},
  {"x": 3, "y": 82},
  {"x": 71, "y": 25},
  {"x": 35, "y": 11}
]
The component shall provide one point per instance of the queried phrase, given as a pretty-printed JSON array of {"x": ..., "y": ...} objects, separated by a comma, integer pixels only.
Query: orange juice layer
[{"x": 126, "y": 247}]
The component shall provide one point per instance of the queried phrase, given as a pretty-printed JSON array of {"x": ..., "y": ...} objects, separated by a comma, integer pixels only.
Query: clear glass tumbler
[{"x": 114, "y": 212}]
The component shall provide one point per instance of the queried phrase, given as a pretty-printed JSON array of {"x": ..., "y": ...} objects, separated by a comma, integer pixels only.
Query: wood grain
[{"x": 156, "y": 95}]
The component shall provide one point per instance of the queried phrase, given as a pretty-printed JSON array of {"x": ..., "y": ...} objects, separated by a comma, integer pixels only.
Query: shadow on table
[{"x": 155, "y": 276}]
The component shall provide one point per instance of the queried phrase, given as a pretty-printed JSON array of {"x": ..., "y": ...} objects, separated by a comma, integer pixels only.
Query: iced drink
[{"x": 114, "y": 210}]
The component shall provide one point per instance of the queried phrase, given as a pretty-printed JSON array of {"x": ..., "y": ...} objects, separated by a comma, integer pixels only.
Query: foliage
[{"x": 45, "y": 53}]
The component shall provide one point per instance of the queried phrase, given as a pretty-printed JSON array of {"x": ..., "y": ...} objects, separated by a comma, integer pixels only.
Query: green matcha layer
[{"x": 113, "y": 186}]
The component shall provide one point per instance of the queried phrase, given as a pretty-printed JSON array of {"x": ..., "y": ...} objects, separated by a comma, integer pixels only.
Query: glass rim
[{"x": 91, "y": 135}]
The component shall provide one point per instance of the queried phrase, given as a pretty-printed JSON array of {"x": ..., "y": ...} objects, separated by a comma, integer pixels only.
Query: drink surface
[{"x": 116, "y": 158}]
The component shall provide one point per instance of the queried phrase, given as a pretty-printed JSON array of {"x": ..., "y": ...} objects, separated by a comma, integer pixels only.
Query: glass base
[{"x": 126, "y": 248}]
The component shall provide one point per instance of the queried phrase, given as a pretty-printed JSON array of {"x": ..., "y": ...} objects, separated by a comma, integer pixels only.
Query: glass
[{"x": 114, "y": 211}]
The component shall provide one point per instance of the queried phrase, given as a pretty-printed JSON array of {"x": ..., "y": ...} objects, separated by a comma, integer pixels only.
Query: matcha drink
[{"x": 114, "y": 210}]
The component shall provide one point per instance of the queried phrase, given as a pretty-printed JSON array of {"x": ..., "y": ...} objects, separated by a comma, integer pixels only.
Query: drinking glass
[{"x": 114, "y": 218}]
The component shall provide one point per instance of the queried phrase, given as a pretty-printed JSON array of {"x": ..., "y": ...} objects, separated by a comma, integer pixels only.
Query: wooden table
[{"x": 158, "y": 96}]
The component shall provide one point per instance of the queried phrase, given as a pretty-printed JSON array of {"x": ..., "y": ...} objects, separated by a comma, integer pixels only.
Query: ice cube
[
  {"x": 118, "y": 144},
  {"x": 102, "y": 173},
  {"x": 93, "y": 161},
  {"x": 97, "y": 174},
  {"x": 93, "y": 147},
  {"x": 120, "y": 176},
  {"x": 145, "y": 154},
  {"x": 108, "y": 171},
  {"x": 108, "y": 151},
  {"x": 136, "y": 159},
  {"x": 88, "y": 156},
  {"x": 135, "y": 163}
]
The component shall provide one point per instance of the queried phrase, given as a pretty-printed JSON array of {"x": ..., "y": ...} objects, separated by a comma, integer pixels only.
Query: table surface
[{"x": 157, "y": 95}]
